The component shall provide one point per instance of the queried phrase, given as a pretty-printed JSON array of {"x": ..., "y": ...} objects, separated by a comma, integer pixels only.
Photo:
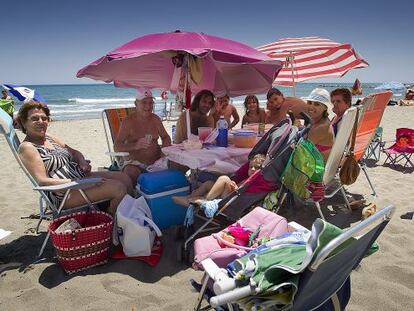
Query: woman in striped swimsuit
[{"x": 52, "y": 162}]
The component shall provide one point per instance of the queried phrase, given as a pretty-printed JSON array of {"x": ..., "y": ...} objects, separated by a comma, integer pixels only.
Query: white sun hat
[
  {"x": 321, "y": 96},
  {"x": 143, "y": 93}
]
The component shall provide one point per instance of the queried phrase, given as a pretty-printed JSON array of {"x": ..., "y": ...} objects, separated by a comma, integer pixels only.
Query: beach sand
[{"x": 385, "y": 280}]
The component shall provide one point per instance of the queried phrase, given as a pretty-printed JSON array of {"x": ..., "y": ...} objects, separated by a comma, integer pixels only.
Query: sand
[{"x": 385, "y": 280}]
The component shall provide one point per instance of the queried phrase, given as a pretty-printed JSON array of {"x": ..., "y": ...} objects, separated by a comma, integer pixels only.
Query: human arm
[
  {"x": 236, "y": 117},
  {"x": 124, "y": 141},
  {"x": 33, "y": 163},
  {"x": 244, "y": 120},
  {"x": 180, "y": 129},
  {"x": 165, "y": 138},
  {"x": 77, "y": 156}
]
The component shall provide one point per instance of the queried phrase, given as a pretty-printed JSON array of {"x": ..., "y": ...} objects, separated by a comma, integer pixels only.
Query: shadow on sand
[{"x": 21, "y": 254}]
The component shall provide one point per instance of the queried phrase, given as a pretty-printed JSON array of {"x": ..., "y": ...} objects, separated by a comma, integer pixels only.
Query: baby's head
[{"x": 256, "y": 163}]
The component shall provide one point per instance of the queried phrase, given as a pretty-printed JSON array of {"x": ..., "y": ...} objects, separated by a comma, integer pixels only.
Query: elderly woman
[
  {"x": 321, "y": 133},
  {"x": 52, "y": 162},
  {"x": 139, "y": 135}
]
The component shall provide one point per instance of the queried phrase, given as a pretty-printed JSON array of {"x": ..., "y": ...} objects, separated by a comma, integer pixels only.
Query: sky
[{"x": 48, "y": 41}]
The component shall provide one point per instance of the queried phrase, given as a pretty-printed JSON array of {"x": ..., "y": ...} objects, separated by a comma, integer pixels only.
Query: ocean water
[{"x": 87, "y": 101}]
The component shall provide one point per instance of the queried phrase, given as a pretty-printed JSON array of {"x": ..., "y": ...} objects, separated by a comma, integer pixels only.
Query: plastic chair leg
[
  {"x": 318, "y": 206},
  {"x": 345, "y": 198},
  {"x": 364, "y": 169}
]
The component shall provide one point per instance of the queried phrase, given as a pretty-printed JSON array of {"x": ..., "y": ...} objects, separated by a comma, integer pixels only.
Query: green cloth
[{"x": 7, "y": 105}]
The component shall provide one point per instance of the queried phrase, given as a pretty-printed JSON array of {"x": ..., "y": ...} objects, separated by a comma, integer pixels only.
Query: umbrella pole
[
  {"x": 187, "y": 110},
  {"x": 293, "y": 74}
]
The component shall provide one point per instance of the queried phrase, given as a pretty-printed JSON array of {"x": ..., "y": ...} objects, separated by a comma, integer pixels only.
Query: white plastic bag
[{"x": 136, "y": 230}]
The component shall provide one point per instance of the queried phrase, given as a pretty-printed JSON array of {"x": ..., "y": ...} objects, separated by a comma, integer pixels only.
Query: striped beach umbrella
[{"x": 311, "y": 58}]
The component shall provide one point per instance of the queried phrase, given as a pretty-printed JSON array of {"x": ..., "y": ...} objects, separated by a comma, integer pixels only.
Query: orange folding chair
[
  {"x": 373, "y": 107},
  {"x": 112, "y": 120}
]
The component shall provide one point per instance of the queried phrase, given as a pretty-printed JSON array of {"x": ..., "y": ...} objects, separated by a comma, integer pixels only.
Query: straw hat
[{"x": 321, "y": 96}]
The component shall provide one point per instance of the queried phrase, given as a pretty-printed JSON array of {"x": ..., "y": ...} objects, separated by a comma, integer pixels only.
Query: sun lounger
[
  {"x": 46, "y": 208},
  {"x": 320, "y": 279}
]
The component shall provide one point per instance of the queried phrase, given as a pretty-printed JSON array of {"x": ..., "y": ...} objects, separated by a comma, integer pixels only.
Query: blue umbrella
[
  {"x": 392, "y": 86},
  {"x": 23, "y": 93}
]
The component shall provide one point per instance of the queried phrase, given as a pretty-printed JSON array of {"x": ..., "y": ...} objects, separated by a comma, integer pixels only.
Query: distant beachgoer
[
  {"x": 341, "y": 99},
  {"x": 254, "y": 114},
  {"x": 52, "y": 162},
  {"x": 200, "y": 107},
  {"x": 223, "y": 186},
  {"x": 321, "y": 132},
  {"x": 278, "y": 106},
  {"x": 223, "y": 107},
  {"x": 7, "y": 103},
  {"x": 139, "y": 135}
]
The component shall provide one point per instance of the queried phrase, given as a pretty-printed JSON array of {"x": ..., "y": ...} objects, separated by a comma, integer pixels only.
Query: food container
[{"x": 244, "y": 139}]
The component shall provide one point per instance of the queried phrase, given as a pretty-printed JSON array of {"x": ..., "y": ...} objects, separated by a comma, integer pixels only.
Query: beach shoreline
[{"x": 385, "y": 280}]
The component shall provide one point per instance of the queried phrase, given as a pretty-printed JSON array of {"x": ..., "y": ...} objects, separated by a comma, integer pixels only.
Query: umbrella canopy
[
  {"x": 312, "y": 57},
  {"x": 23, "y": 93},
  {"x": 220, "y": 65}
]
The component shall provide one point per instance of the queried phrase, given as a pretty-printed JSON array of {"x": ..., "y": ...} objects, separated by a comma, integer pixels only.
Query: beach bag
[
  {"x": 305, "y": 166},
  {"x": 78, "y": 249},
  {"x": 135, "y": 228},
  {"x": 350, "y": 169}
]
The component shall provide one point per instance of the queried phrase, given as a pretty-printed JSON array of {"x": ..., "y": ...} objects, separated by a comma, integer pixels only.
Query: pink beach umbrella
[
  {"x": 311, "y": 58},
  {"x": 186, "y": 62}
]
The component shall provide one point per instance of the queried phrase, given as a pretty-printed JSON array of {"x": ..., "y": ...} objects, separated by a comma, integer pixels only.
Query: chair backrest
[
  {"x": 332, "y": 267},
  {"x": 7, "y": 129},
  {"x": 112, "y": 120},
  {"x": 404, "y": 137},
  {"x": 373, "y": 107},
  {"x": 341, "y": 142}
]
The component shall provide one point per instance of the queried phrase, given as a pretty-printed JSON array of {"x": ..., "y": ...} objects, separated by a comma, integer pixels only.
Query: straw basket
[{"x": 83, "y": 248}]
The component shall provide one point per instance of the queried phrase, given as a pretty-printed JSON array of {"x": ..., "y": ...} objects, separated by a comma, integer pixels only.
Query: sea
[{"x": 87, "y": 101}]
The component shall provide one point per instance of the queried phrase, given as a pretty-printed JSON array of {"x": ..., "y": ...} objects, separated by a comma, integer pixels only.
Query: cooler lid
[{"x": 161, "y": 181}]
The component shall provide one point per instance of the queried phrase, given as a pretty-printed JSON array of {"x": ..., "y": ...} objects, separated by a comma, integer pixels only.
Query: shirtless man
[
  {"x": 139, "y": 135},
  {"x": 200, "y": 107},
  {"x": 278, "y": 106},
  {"x": 224, "y": 108}
]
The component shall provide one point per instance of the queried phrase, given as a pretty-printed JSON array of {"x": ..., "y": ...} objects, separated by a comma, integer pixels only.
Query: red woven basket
[{"x": 86, "y": 247}]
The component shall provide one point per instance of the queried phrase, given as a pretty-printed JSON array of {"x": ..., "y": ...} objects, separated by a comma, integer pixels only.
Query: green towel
[{"x": 7, "y": 105}]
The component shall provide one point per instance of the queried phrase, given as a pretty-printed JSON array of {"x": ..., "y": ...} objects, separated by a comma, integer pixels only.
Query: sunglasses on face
[{"x": 38, "y": 118}]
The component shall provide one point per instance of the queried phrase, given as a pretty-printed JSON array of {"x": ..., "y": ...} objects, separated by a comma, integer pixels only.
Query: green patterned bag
[{"x": 305, "y": 165}]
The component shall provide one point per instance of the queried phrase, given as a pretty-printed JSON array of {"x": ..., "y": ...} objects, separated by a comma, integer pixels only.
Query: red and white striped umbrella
[{"x": 310, "y": 58}]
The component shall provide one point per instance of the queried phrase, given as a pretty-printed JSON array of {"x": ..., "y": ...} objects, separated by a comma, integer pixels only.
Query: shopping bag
[{"x": 135, "y": 228}]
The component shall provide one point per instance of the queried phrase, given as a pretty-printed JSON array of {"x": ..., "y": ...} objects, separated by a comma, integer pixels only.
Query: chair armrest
[
  {"x": 73, "y": 185},
  {"x": 222, "y": 282},
  {"x": 117, "y": 154}
]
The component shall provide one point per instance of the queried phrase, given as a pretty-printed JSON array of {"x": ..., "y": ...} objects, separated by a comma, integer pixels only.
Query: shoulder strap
[{"x": 351, "y": 150}]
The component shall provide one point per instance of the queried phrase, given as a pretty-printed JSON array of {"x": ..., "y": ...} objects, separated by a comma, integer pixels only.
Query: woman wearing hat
[{"x": 321, "y": 133}]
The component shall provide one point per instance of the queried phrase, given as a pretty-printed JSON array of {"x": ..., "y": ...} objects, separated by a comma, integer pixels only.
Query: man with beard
[
  {"x": 200, "y": 107},
  {"x": 278, "y": 106}
]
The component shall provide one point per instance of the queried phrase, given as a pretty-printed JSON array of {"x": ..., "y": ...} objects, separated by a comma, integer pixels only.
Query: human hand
[
  {"x": 143, "y": 143},
  {"x": 85, "y": 166},
  {"x": 233, "y": 185}
]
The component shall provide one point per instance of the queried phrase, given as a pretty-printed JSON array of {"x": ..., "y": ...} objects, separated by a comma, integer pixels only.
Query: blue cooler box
[{"x": 157, "y": 189}]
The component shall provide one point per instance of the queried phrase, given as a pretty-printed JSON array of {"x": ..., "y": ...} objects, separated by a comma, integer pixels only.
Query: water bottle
[
  {"x": 222, "y": 127},
  {"x": 173, "y": 133}
]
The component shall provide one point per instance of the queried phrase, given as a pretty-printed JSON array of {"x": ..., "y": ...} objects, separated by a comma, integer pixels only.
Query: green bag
[
  {"x": 305, "y": 165},
  {"x": 7, "y": 105}
]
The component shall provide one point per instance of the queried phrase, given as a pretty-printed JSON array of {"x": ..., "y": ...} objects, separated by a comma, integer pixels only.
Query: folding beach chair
[
  {"x": 373, "y": 107},
  {"x": 319, "y": 281},
  {"x": 46, "y": 208},
  {"x": 376, "y": 146},
  {"x": 331, "y": 181},
  {"x": 111, "y": 120},
  {"x": 402, "y": 149}
]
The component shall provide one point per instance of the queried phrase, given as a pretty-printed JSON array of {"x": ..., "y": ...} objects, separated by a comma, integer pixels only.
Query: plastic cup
[{"x": 203, "y": 132}]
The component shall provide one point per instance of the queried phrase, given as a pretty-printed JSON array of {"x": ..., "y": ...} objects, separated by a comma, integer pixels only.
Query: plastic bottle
[
  {"x": 222, "y": 127},
  {"x": 173, "y": 133}
]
